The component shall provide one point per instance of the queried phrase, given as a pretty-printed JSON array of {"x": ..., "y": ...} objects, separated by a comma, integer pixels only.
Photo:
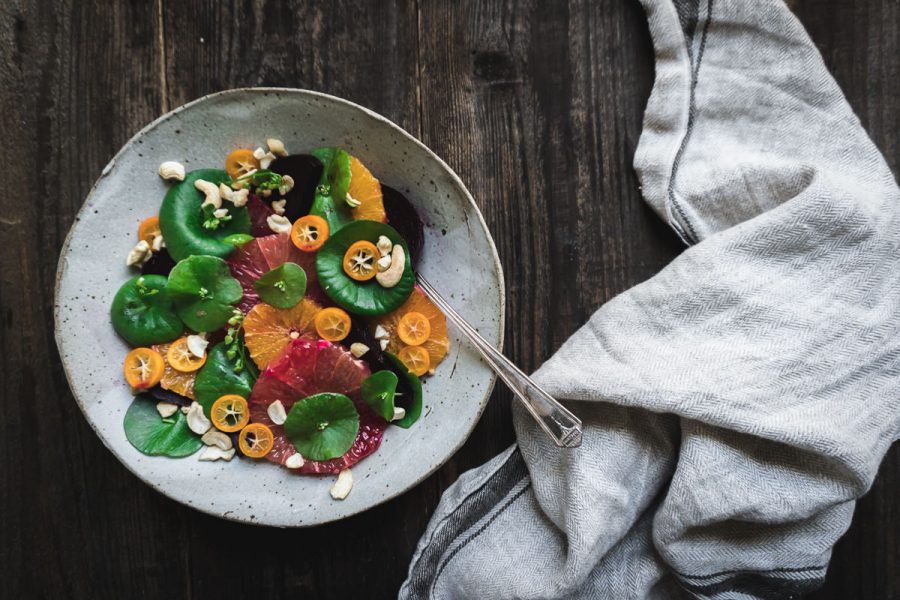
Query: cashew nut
[
  {"x": 399, "y": 413},
  {"x": 266, "y": 160},
  {"x": 351, "y": 201},
  {"x": 138, "y": 255},
  {"x": 196, "y": 420},
  {"x": 279, "y": 223},
  {"x": 276, "y": 147},
  {"x": 384, "y": 245},
  {"x": 211, "y": 191},
  {"x": 171, "y": 171},
  {"x": 278, "y": 206},
  {"x": 381, "y": 333},
  {"x": 237, "y": 197},
  {"x": 384, "y": 262},
  {"x": 287, "y": 184},
  {"x": 294, "y": 461},
  {"x": 220, "y": 213},
  {"x": 276, "y": 412},
  {"x": 392, "y": 275},
  {"x": 158, "y": 243},
  {"x": 259, "y": 153},
  {"x": 166, "y": 409},
  {"x": 197, "y": 344},
  {"x": 216, "y": 453},
  {"x": 343, "y": 485},
  {"x": 358, "y": 349},
  {"x": 213, "y": 437}
]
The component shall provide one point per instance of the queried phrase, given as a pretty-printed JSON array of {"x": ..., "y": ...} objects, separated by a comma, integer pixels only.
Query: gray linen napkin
[{"x": 736, "y": 404}]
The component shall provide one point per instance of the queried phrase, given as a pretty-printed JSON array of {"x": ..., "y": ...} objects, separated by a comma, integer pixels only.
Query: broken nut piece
[
  {"x": 196, "y": 420},
  {"x": 213, "y": 437},
  {"x": 216, "y": 453},
  {"x": 278, "y": 206},
  {"x": 139, "y": 255},
  {"x": 277, "y": 413},
  {"x": 358, "y": 349},
  {"x": 399, "y": 413},
  {"x": 294, "y": 461},
  {"x": 197, "y": 344},
  {"x": 343, "y": 485},
  {"x": 166, "y": 409}
]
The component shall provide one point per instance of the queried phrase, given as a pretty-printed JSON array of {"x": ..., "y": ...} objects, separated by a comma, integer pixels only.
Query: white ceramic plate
[{"x": 459, "y": 259}]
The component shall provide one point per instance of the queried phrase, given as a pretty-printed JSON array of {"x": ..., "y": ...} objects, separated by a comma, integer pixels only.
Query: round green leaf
[
  {"x": 409, "y": 393},
  {"x": 238, "y": 239},
  {"x": 218, "y": 377},
  {"x": 378, "y": 391},
  {"x": 151, "y": 434},
  {"x": 204, "y": 292},
  {"x": 283, "y": 286},
  {"x": 322, "y": 426},
  {"x": 361, "y": 297},
  {"x": 142, "y": 312},
  {"x": 181, "y": 219}
]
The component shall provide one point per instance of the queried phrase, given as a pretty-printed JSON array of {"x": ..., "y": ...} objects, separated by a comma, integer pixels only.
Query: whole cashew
[{"x": 391, "y": 277}]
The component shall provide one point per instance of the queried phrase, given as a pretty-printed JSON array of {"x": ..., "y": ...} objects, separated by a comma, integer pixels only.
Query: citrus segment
[
  {"x": 230, "y": 413},
  {"x": 437, "y": 343},
  {"x": 149, "y": 229},
  {"x": 143, "y": 368},
  {"x": 332, "y": 324},
  {"x": 309, "y": 367},
  {"x": 268, "y": 330},
  {"x": 175, "y": 381},
  {"x": 180, "y": 357},
  {"x": 415, "y": 358},
  {"x": 365, "y": 189},
  {"x": 256, "y": 440}
]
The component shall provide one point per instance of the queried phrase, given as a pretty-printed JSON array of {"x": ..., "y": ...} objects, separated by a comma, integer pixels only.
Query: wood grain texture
[{"x": 538, "y": 107}]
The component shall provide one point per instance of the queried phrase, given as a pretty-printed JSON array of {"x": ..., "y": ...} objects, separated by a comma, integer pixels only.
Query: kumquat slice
[
  {"x": 182, "y": 359},
  {"x": 309, "y": 233},
  {"x": 144, "y": 367},
  {"x": 360, "y": 259},
  {"x": 414, "y": 329},
  {"x": 240, "y": 162},
  {"x": 416, "y": 359},
  {"x": 332, "y": 324},
  {"x": 230, "y": 413},
  {"x": 256, "y": 440},
  {"x": 149, "y": 229}
]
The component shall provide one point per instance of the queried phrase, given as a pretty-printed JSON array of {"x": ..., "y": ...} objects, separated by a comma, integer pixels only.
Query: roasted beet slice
[
  {"x": 306, "y": 171},
  {"x": 161, "y": 395},
  {"x": 403, "y": 217},
  {"x": 161, "y": 263}
]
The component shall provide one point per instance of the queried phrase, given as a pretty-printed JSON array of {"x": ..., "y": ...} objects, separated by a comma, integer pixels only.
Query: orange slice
[
  {"x": 437, "y": 343},
  {"x": 175, "y": 381},
  {"x": 367, "y": 190},
  {"x": 268, "y": 330}
]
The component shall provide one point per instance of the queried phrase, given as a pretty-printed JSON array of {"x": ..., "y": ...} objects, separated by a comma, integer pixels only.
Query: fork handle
[{"x": 554, "y": 418}]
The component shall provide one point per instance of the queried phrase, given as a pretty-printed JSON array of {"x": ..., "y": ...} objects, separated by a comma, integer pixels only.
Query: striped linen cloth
[{"x": 737, "y": 404}]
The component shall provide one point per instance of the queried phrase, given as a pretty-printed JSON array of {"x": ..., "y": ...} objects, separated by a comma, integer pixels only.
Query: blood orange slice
[
  {"x": 437, "y": 344},
  {"x": 268, "y": 330},
  {"x": 173, "y": 380},
  {"x": 367, "y": 190},
  {"x": 308, "y": 367},
  {"x": 260, "y": 256}
]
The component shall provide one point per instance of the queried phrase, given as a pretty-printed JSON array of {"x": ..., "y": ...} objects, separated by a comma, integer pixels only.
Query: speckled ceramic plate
[{"x": 459, "y": 259}]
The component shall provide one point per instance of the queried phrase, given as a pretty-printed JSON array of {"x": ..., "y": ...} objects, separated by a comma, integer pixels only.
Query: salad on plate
[{"x": 273, "y": 314}]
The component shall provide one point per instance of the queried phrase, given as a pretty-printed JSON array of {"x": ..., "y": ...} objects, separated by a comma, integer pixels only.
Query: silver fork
[{"x": 553, "y": 417}]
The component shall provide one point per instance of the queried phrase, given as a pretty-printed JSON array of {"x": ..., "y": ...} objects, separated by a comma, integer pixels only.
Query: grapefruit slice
[
  {"x": 263, "y": 254},
  {"x": 268, "y": 330},
  {"x": 259, "y": 212},
  {"x": 437, "y": 344},
  {"x": 174, "y": 380},
  {"x": 308, "y": 367},
  {"x": 367, "y": 190}
]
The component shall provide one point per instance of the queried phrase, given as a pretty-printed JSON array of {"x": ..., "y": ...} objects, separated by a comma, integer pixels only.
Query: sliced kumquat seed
[
  {"x": 416, "y": 359},
  {"x": 360, "y": 259},
  {"x": 149, "y": 229},
  {"x": 144, "y": 367},
  {"x": 230, "y": 413},
  {"x": 332, "y": 324},
  {"x": 240, "y": 162},
  {"x": 309, "y": 233},
  {"x": 414, "y": 329},
  {"x": 182, "y": 359},
  {"x": 256, "y": 440}
]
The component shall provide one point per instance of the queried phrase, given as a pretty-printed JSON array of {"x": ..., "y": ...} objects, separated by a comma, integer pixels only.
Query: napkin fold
[{"x": 736, "y": 404}]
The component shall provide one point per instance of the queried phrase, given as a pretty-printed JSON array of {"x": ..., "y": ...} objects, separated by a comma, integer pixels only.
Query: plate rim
[{"x": 64, "y": 251}]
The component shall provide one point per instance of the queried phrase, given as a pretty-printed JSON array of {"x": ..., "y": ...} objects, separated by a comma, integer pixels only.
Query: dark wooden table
[{"x": 537, "y": 106}]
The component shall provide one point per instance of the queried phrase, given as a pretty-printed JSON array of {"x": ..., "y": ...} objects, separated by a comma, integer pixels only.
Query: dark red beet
[
  {"x": 160, "y": 263},
  {"x": 308, "y": 367},
  {"x": 259, "y": 212},
  {"x": 403, "y": 217},
  {"x": 161, "y": 395},
  {"x": 306, "y": 171}
]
